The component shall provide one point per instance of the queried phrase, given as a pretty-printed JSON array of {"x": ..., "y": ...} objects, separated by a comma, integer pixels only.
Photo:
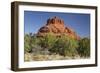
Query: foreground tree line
[{"x": 50, "y": 45}]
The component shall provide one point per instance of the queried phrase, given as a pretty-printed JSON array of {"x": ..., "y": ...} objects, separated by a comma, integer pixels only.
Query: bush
[
  {"x": 27, "y": 46},
  {"x": 30, "y": 41},
  {"x": 47, "y": 41},
  {"x": 65, "y": 46},
  {"x": 84, "y": 47}
]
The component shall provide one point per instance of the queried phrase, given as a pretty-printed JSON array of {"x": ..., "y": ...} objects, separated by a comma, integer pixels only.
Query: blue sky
[{"x": 79, "y": 22}]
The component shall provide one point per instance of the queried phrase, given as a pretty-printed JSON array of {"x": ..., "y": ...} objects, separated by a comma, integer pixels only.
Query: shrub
[
  {"x": 84, "y": 47},
  {"x": 47, "y": 41},
  {"x": 65, "y": 46},
  {"x": 30, "y": 41},
  {"x": 27, "y": 46}
]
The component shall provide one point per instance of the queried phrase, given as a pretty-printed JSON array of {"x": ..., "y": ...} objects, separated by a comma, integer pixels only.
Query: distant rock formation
[{"x": 56, "y": 26}]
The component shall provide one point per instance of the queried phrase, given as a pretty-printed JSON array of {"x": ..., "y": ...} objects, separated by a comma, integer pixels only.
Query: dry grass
[{"x": 40, "y": 57}]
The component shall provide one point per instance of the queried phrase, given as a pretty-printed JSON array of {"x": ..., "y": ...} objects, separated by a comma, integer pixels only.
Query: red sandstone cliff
[{"x": 56, "y": 26}]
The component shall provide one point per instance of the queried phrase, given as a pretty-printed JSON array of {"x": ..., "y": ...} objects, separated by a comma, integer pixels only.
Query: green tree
[
  {"x": 47, "y": 41},
  {"x": 27, "y": 39},
  {"x": 65, "y": 46},
  {"x": 84, "y": 47}
]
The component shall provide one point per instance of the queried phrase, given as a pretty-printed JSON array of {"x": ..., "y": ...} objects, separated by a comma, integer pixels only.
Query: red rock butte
[{"x": 56, "y": 26}]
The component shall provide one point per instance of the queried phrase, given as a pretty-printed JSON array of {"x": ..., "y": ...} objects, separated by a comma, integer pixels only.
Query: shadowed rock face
[{"x": 56, "y": 26}]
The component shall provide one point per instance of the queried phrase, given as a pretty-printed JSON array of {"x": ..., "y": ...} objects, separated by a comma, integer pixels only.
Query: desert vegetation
[{"x": 51, "y": 47}]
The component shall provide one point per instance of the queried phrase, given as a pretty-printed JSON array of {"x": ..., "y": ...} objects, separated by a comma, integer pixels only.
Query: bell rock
[{"x": 56, "y": 26}]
